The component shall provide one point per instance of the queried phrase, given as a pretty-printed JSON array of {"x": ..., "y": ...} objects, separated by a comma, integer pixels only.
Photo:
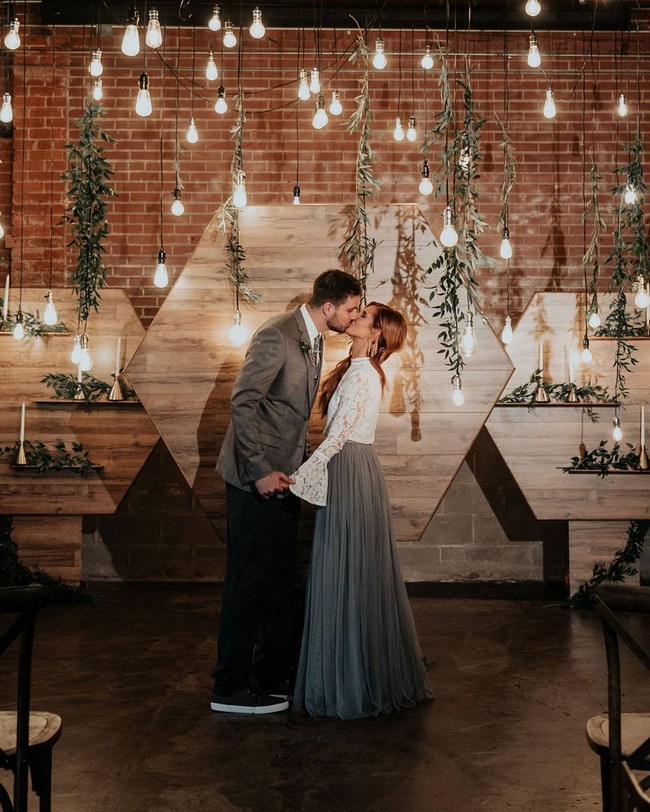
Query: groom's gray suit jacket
[{"x": 270, "y": 403}]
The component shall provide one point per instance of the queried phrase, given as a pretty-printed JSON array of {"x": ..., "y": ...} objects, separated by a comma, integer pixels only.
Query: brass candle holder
[
  {"x": 21, "y": 458},
  {"x": 644, "y": 464},
  {"x": 116, "y": 392},
  {"x": 541, "y": 395},
  {"x": 572, "y": 397}
]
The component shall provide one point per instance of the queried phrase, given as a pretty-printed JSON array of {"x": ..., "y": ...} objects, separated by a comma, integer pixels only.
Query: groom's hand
[{"x": 272, "y": 484}]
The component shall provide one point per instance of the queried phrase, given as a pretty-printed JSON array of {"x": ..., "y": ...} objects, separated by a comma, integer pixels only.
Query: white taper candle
[
  {"x": 118, "y": 354},
  {"x": 5, "y": 304},
  {"x": 570, "y": 365},
  {"x": 22, "y": 423},
  {"x": 540, "y": 365},
  {"x": 643, "y": 427}
]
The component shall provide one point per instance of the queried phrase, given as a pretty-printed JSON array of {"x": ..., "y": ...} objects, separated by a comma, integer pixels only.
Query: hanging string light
[
  {"x": 257, "y": 29},
  {"x": 50, "y": 316},
  {"x": 6, "y": 111},
  {"x": 12, "y": 40},
  {"x": 19, "y": 327},
  {"x": 534, "y": 58},
  {"x": 96, "y": 68},
  {"x": 177, "y": 207},
  {"x": 505, "y": 249},
  {"x": 161, "y": 276},
  {"x": 379, "y": 60},
  {"x": 426, "y": 187},
  {"x": 533, "y": 8},
  {"x": 296, "y": 188},
  {"x": 229, "y": 38},
  {"x": 211, "y": 70},
  {"x": 214, "y": 23},
  {"x": 153, "y": 37},
  {"x": 192, "y": 134},
  {"x": 549, "y": 104},
  {"x": 398, "y": 131},
  {"x": 131, "y": 39}
]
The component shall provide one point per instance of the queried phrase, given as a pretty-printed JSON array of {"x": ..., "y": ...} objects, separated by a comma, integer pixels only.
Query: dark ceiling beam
[{"x": 564, "y": 15}]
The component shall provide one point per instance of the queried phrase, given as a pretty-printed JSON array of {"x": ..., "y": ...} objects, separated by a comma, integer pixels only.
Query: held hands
[{"x": 272, "y": 484}]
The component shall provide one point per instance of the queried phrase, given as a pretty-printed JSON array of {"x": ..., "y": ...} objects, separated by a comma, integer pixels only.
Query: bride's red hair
[{"x": 392, "y": 327}]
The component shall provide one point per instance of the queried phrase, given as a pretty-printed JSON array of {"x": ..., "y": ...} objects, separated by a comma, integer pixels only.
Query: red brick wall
[{"x": 545, "y": 204}]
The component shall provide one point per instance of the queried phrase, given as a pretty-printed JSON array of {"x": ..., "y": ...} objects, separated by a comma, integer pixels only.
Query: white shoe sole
[{"x": 223, "y": 707}]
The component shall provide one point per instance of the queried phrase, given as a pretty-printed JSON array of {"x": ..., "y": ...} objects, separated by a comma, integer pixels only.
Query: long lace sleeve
[{"x": 311, "y": 478}]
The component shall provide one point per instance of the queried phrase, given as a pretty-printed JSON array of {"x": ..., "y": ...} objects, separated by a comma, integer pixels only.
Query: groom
[{"x": 265, "y": 443}]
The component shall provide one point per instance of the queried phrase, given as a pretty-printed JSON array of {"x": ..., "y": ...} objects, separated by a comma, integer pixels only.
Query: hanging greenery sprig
[
  {"x": 442, "y": 123},
  {"x": 461, "y": 157},
  {"x": 357, "y": 252},
  {"x": 228, "y": 214},
  {"x": 629, "y": 218},
  {"x": 43, "y": 459},
  {"x": 591, "y": 258},
  {"x": 67, "y": 386},
  {"x": 88, "y": 176}
]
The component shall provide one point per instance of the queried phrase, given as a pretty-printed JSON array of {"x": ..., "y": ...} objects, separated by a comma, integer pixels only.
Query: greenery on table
[
  {"x": 66, "y": 386},
  {"x": 620, "y": 568},
  {"x": 33, "y": 325},
  {"x": 57, "y": 458},
  {"x": 559, "y": 392},
  {"x": 460, "y": 160},
  {"x": 14, "y": 573},
  {"x": 88, "y": 177},
  {"x": 602, "y": 460},
  {"x": 357, "y": 251}
]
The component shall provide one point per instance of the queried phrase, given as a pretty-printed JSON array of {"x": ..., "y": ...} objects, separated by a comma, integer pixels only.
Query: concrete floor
[{"x": 515, "y": 684}]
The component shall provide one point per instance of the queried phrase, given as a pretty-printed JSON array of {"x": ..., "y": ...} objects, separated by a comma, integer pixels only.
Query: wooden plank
[{"x": 52, "y": 543}]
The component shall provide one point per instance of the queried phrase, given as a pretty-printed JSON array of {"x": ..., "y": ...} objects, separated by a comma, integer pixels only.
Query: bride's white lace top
[{"x": 352, "y": 414}]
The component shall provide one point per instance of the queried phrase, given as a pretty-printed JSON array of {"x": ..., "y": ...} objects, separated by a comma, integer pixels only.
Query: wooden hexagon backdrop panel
[
  {"x": 185, "y": 367},
  {"x": 117, "y": 436},
  {"x": 537, "y": 443}
]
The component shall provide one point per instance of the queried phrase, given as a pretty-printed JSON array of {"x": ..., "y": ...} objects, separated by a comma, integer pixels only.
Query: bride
[{"x": 360, "y": 654}]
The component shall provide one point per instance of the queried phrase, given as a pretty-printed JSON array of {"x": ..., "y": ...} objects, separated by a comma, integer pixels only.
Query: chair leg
[
  {"x": 41, "y": 769},
  {"x": 5, "y": 800},
  {"x": 605, "y": 768}
]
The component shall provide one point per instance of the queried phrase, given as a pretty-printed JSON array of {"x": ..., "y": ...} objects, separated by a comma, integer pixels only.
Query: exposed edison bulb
[
  {"x": 12, "y": 40},
  {"x": 622, "y": 106},
  {"x": 533, "y": 8},
  {"x": 6, "y": 111},
  {"x": 586, "y": 356},
  {"x": 19, "y": 328},
  {"x": 617, "y": 432},
  {"x": 161, "y": 277},
  {"x": 594, "y": 320},
  {"x": 411, "y": 132},
  {"x": 131, "y": 39},
  {"x": 303, "y": 86},
  {"x": 143, "y": 102},
  {"x": 153, "y": 37},
  {"x": 96, "y": 68},
  {"x": 314, "y": 82},
  {"x": 426, "y": 187},
  {"x": 50, "y": 316},
  {"x": 296, "y": 195},
  {"x": 457, "y": 397},
  {"x": 549, "y": 104},
  {"x": 630, "y": 195},
  {"x": 505, "y": 250},
  {"x": 427, "y": 59},
  {"x": 468, "y": 341},
  {"x": 76, "y": 349},
  {"x": 398, "y": 132},
  {"x": 641, "y": 300},
  {"x": 379, "y": 60},
  {"x": 239, "y": 197},
  {"x": 320, "y": 118},
  {"x": 448, "y": 235},
  {"x": 336, "y": 108},
  {"x": 177, "y": 206},
  {"x": 2, "y": 231},
  {"x": 229, "y": 38},
  {"x": 98, "y": 90},
  {"x": 214, "y": 23},
  {"x": 534, "y": 57},
  {"x": 221, "y": 105},
  {"x": 192, "y": 135},
  {"x": 257, "y": 26},
  {"x": 85, "y": 362},
  {"x": 507, "y": 336},
  {"x": 237, "y": 332},
  {"x": 211, "y": 70}
]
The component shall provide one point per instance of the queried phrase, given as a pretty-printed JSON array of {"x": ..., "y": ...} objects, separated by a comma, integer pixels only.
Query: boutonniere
[{"x": 309, "y": 351}]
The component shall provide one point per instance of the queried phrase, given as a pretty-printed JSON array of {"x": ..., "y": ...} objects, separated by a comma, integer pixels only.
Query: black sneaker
[
  {"x": 282, "y": 690},
  {"x": 248, "y": 700}
]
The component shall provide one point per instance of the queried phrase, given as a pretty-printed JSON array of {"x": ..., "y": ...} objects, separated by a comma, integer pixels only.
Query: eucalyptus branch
[
  {"x": 621, "y": 566},
  {"x": 602, "y": 460},
  {"x": 88, "y": 176},
  {"x": 33, "y": 325},
  {"x": 66, "y": 386},
  {"x": 591, "y": 258},
  {"x": 357, "y": 250},
  {"x": 44, "y": 459},
  {"x": 509, "y": 174}
]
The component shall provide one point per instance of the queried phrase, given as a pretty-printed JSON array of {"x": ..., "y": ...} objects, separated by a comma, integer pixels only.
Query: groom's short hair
[{"x": 334, "y": 286}]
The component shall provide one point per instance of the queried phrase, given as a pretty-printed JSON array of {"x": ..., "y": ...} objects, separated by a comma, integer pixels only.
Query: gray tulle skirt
[{"x": 360, "y": 654}]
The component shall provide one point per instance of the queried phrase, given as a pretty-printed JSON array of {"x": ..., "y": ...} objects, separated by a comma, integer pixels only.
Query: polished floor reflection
[{"x": 515, "y": 683}]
